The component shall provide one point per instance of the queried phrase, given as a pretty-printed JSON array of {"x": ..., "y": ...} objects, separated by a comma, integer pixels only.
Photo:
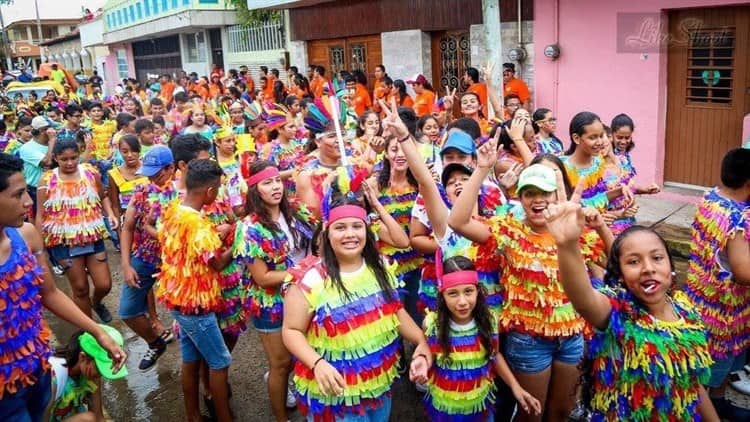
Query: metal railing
[{"x": 268, "y": 36}]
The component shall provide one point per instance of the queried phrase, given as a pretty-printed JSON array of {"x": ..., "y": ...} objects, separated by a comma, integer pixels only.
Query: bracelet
[
  {"x": 404, "y": 138},
  {"x": 421, "y": 355},
  {"x": 316, "y": 364},
  {"x": 518, "y": 140}
]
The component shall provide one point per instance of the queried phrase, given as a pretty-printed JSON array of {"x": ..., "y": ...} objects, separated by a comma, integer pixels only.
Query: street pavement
[{"x": 156, "y": 394}]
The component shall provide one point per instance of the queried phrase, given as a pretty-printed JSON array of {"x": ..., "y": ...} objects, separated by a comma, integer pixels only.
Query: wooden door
[
  {"x": 708, "y": 91},
  {"x": 451, "y": 56},
  {"x": 354, "y": 53}
]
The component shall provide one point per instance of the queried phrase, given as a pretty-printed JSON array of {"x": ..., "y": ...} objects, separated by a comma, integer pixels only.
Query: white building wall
[
  {"x": 202, "y": 66},
  {"x": 406, "y": 53}
]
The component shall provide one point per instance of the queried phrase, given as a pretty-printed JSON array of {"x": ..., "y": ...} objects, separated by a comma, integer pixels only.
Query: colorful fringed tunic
[
  {"x": 125, "y": 187},
  {"x": 285, "y": 157},
  {"x": 398, "y": 203},
  {"x": 73, "y": 212},
  {"x": 149, "y": 201},
  {"x": 187, "y": 283},
  {"x": 71, "y": 395},
  {"x": 103, "y": 145},
  {"x": 254, "y": 241},
  {"x": 594, "y": 185},
  {"x": 626, "y": 164},
  {"x": 462, "y": 388},
  {"x": 551, "y": 145},
  {"x": 535, "y": 302},
  {"x": 723, "y": 303},
  {"x": 318, "y": 173},
  {"x": 614, "y": 178},
  {"x": 357, "y": 334},
  {"x": 231, "y": 311},
  {"x": 645, "y": 369},
  {"x": 24, "y": 336},
  {"x": 14, "y": 144}
]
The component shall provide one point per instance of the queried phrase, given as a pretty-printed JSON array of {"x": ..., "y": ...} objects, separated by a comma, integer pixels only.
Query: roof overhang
[{"x": 282, "y": 4}]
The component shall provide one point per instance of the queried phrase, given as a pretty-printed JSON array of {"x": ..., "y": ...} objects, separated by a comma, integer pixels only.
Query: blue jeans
[
  {"x": 382, "y": 413},
  {"x": 264, "y": 324},
  {"x": 532, "y": 354},
  {"x": 200, "y": 338},
  {"x": 134, "y": 300},
  {"x": 721, "y": 368},
  {"x": 28, "y": 403}
]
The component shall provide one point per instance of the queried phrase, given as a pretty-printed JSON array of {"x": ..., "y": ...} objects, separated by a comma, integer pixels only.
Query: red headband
[
  {"x": 345, "y": 211},
  {"x": 457, "y": 278},
  {"x": 266, "y": 173}
]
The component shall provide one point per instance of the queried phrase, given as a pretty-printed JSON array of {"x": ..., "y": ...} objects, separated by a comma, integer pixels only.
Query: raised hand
[
  {"x": 392, "y": 120},
  {"x": 517, "y": 126},
  {"x": 565, "y": 221},
  {"x": 487, "y": 152},
  {"x": 593, "y": 218},
  {"x": 510, "y": 178}
]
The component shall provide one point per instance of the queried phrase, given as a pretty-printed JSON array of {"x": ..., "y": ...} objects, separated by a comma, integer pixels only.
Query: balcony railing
[{"x": 268, "y": 36}]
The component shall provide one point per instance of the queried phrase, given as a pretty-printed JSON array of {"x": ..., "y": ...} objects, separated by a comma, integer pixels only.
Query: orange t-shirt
[
  {"x": 268, "y": 90},
  {"x": 166, "y": 91},
  {"x": 423, "y": 102},
  {"x": 379, "y": 92},
  {"x": 362, "y": 100},
  {"x": 316, "y": 86},
  {"x": 480, "y": 89},
  {"x": 408, "y": 102},
  {"x": 518, "y": 87}
]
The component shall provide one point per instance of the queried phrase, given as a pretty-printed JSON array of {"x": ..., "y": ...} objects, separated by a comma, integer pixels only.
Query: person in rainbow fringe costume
[
  {"x": 463, "y": 337},
  {"x": 342, "y": 320},
  {"x": 26, "y": 284},
  {"x": 275, "y": 235},
  {"x": 189, "y": 284},
  {"x": 543, "y": 334},
  {"x": 284, "y": 148},
  {"x": 718, "y": 278},
  {"x": 585, "y": 167},
  {"x": 650, "y": 354}
]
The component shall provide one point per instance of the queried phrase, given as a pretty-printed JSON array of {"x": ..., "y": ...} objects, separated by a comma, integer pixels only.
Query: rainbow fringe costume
[
  {"x": 103, "y": 143},
  {"x": 252, "y": 241},
  {"x": 73, "y": 210},
  {"x": 626, "y": 164},
  {"x": 551, "y": 145},
  {"x": 594, "y": 185},
  {"x": 148, "y": 202},
  {"x": 462, "y": 388},
  {"x": 126, "y": 188},
  {"x": 723, "y": 303},
  {"x": 285, "y": 158},
  {"x": 535, "y": 302},
  {"x": 357, "y": 335},
  {"x": 645, "y": 369},
  {"x": 399, "y": 204},
  {"x": 187, "y": 282},
  {"x": 614, "y": 179},
  {"x": 231, "y": 312},
  {"x": 74, "y": 398},
  {"x": 24, "y": 336}
]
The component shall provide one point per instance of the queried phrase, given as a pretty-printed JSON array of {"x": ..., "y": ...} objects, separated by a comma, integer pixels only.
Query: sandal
[
  {"x": 740, "y": 381},
  {"x": 167, "y": 335}
]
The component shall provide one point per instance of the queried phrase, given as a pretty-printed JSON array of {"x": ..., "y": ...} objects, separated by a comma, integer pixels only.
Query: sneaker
[
  {"x": 580, "y": 413},
  {"x": 209, "y": 402},
  {"x": 740, "y": 381},
  {"x": 291, "y": 399},
  {"x": 728, "y": 410},
  {"x": 104, "y": 315},
  {"x": 151, "y": 356},
  {"x": 58, "y": 269}
]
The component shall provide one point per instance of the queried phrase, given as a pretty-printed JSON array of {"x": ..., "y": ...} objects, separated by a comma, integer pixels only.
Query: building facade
[{"x": 25, "y": 40}]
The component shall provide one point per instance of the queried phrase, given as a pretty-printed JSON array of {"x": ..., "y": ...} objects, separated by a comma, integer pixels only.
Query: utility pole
[
  {"x": 4, "y": 37},
  {"x": 39, "y": 29},
  {"x": 493, "y": 42}
]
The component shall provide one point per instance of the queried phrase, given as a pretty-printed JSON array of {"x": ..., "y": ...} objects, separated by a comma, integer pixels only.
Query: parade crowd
[{"x": 365, "y": 236}]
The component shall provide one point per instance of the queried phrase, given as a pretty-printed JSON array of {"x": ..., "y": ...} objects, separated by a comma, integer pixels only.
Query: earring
[{"x": 674, "y": 273}]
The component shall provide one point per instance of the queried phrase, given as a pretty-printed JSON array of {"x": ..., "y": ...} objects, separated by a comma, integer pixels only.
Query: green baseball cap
[
  {"x": 538, "y": 175},
  {"x": 100, "y": 355}
]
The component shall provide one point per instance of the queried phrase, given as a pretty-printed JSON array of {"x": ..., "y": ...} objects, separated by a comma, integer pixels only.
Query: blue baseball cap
[
  {"x": 461, "y": 141},
  {"x": 156, "y": 159}
]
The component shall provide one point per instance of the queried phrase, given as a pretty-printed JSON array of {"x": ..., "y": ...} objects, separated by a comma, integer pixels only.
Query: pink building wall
[
  {"x": 110, "y": 76},
  {"x": 592, "y": 75}
]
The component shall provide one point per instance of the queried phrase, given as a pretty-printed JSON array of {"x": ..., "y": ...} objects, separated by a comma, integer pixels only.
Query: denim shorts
[
  {"x": 264, "y": 324},
  {"x": 134, "y": 300},
  {"x": 531, "y": 354},
  {"x": 28, "y": 403},
  {"x": 200, "y": 338},
  {"x": 63, "y": 254},
  {"x": 721, "y": 368}
]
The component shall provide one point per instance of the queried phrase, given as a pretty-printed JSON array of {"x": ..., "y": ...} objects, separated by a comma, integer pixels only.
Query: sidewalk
[{"x": 671, "y": 214}]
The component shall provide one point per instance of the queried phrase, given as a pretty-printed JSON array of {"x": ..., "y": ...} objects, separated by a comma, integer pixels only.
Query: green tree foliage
[{"x": 253, "y": 17}]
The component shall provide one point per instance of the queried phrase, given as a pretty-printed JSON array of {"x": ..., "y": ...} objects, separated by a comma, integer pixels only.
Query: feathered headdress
[
  {"x": 276, "y": 115},
  {"x": 347, "y": 183}
]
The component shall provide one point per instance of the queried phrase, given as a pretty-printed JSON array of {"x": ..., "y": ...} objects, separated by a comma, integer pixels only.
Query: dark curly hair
[{"x": 481, "y": 313}]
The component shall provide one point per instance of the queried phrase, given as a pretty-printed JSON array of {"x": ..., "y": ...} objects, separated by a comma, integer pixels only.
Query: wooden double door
[
  {"x": 354, "y": 53},
  {"x": 708, "y": 91}
]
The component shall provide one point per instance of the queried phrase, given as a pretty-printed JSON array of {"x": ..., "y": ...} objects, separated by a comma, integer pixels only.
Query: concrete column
[
  {"x": 406, "y": 53},
  {"x": 478, "y": 42},
  {"x": 298, "y": 55},
  {"x": 493, "y": 43}
]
